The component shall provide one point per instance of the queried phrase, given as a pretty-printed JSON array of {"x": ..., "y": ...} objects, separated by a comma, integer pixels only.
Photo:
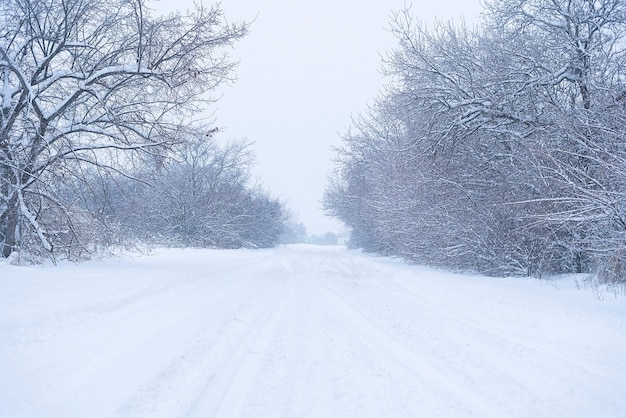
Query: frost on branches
[
  {"x": 499, "y": 148},
  {"x": 93, "y": 86}
]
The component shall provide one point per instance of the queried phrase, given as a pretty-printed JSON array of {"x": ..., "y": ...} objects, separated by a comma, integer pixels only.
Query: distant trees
[
  {"x": 293, "y": 233},
  {"x": 498, "y": 149},
  {"x": 202, "y": 197},
  {"x": 91, "y": 89}
]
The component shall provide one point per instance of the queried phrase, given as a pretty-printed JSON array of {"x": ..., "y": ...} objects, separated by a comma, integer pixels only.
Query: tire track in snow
[
  {"x": 375, "y": 348},
  {"x": 304, "y": 332},
  {"x": 375, "y": 336},
  {"x": 116, "y": 334},
  {"x": 455, "y": 353},
  {"x": 223, "y": 394},
  {"x": 474, "y": 353},
  {"x": 216, "y": 368},
  {"x": 451, "y": 314},
  {"x": 91, "y": 337}
]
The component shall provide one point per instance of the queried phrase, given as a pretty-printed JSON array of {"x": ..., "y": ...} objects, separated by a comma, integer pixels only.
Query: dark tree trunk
[{"x": 10, "y": 233}]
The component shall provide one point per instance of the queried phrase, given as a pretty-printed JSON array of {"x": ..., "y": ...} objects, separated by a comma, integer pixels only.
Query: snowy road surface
[{"x": 302, "y": 332}]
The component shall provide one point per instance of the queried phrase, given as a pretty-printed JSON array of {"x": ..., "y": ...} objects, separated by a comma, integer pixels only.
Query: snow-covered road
[{"x": 302, "y": 332}]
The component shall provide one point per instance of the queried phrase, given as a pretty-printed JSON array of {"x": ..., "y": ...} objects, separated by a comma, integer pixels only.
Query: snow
[{"x": 302, "y": 331}]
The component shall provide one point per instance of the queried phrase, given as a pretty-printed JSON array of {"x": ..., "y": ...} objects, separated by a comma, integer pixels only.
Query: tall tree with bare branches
[
  {"x": 93, "y": 83},
  {"x": 498, "y": 148}
]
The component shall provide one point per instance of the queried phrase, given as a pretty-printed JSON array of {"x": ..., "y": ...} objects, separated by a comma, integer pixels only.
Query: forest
[
  {"x": 103, "y": 141},
  {"x": 497, "y": 148}
]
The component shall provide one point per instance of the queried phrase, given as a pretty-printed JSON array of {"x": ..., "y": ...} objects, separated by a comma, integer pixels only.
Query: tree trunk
[{"x": 10, "y": 233}]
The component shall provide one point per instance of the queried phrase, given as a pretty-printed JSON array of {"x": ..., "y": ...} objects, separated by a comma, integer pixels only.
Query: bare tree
[
  {"x": 580, "y": 93},
  {"x": 93, "y": 83},
  {"x": 506, "y": 153},
  {"x": 203, "y": 196}
]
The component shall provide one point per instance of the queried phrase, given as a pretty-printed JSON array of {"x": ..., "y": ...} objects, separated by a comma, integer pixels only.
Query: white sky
[{"x": 305, "y": 69}]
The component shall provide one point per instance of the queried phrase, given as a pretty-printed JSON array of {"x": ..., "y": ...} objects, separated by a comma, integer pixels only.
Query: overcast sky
[{"x": 305, "y": 69}]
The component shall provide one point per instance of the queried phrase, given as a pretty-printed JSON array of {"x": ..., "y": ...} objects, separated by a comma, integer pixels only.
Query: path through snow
[{"x": 301, "y": 332}]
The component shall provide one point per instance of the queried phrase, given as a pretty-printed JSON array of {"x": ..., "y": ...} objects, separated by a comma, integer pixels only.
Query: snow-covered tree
[
  {"x": 202, "y": 196},
  {"x": 497, "y": 148},
  {"x": 93, "y": 83}
]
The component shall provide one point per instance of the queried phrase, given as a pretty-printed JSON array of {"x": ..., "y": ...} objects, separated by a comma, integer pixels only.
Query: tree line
[
  {"x": 498, "y": 148},
  {"x": 98, "y": 144}
]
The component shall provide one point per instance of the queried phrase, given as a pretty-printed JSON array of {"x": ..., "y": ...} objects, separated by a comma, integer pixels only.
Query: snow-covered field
[{"x": 302, "y": 331}]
